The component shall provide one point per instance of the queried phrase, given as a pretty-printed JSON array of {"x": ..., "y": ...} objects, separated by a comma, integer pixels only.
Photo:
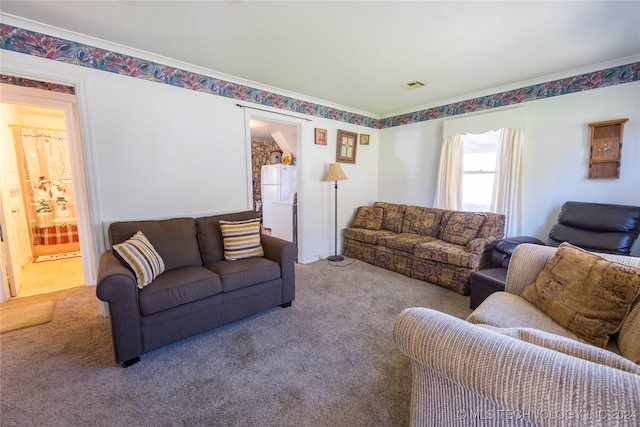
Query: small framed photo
[
  {"x": 321, "y": 136},
  {"x": 346, "y": 147},
  {"x": 364, "y": 139}
]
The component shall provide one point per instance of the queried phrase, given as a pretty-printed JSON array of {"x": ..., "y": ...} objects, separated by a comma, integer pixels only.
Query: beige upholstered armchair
[{"x": 508, "y": 374}]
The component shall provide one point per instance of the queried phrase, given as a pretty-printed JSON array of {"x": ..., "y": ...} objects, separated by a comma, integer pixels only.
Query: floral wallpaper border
[
  {"x": 603, "y": 78},
  {"x": 37, "y": 84},
  {"x": 45, "y": 46}
]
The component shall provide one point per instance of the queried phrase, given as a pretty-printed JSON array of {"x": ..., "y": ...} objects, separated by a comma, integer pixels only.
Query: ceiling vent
[{"x": 413, "y": 85}]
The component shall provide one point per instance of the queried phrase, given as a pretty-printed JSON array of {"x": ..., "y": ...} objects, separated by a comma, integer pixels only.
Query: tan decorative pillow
[
  {"x": 369, "y": 217},
  {"x": 141, "y": 257},
  {"x": 462, "y": 227},
  {"x": 241, "y": 239},
  {"x": 585, "y": 293}
]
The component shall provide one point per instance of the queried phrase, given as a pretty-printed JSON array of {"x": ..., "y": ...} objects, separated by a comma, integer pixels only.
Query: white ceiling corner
[{"x": 357, "y": 54}]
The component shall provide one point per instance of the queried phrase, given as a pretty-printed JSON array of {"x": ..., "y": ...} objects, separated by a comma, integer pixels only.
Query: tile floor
[{"x": 49, "y": 276}]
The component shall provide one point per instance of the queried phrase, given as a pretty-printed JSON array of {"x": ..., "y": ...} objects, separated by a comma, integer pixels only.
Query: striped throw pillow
[
  {"x": 139, "y": 254},
  {"x": 241, "y": 239}
]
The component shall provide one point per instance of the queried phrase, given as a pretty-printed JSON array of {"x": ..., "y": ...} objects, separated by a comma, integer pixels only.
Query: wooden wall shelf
[{"x": 606, "y": 149}]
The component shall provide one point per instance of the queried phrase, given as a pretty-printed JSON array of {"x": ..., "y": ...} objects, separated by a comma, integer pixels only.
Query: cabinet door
[{"x": 606, "y": 149}]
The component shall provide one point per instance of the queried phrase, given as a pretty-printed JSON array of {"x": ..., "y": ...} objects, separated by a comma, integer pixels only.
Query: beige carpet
[
  {"x": 328, "y": 360},
  {"x": 16, "y": 317}
]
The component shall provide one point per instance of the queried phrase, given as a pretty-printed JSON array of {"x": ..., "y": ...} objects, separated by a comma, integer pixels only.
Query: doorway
[
  {"x": 274, "y": 145},
  {"x": 40, "y": 214}
]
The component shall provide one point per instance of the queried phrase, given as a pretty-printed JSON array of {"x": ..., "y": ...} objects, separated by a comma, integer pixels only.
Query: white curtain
[
  {"x": 449, "y": 185},
  {"x": 507, "y": 185},
  {"x": 49, "y": 185}
]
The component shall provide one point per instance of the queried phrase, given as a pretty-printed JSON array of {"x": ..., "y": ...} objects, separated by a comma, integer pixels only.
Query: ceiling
[
  {"x": 357, "y": 54},
  {"x": 262, "y": 130}
]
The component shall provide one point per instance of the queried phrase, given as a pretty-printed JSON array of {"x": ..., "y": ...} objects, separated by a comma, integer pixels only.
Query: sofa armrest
[
  {"x": 285, "y": 254},
  {"x": 117, "y": 286},
  {"x": 482, "y": 247},
  {"x": 526, "y": 263},
  {"x": 504, "y": 381},
  {"x": 503, "y": 249},
  {"x": 115, "y": 281}
]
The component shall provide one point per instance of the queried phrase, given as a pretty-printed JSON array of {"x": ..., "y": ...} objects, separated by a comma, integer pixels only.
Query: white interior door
[
  {"x": 13, "y": 218},
  {"x": 5, "y": 292}
]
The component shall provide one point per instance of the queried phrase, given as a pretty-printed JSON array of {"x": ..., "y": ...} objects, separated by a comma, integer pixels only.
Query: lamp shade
[{"x": 335, "y": 173}]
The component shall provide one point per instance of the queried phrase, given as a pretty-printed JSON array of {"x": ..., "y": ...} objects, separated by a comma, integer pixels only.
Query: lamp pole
[
  {"x": 335, "y": 257},
  {"x": 335, "y": 174}
]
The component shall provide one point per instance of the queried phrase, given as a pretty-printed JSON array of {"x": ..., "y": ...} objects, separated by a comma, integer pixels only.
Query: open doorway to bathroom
[{"x": 40, "y": 205}]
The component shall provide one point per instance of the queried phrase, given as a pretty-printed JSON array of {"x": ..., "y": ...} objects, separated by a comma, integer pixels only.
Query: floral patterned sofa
[{"x": 434, "y": 245}]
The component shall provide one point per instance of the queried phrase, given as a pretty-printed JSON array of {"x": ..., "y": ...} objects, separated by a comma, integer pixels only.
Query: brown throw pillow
[
  {"x": 369, "y": 217},
  {"x": 585, "y": 293},
  {"x": 462, "y": 227},
  {"x": 392, "y": 217}
]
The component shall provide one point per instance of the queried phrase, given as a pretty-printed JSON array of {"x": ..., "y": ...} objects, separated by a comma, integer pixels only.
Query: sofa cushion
[
  {"x": 393, "y": 216},
  {"x": 421, "y": 220},
  {"x": 366, "y": 236},
  {"x": 244, "y": 272},
  {"x": 506, "y": 310},
  {"x": 178, "y": 286},
  {"x": 571, "y": 347},
  {"x": 174, "y": 239},
  {"x": 241, "y": 239},
  {"x": 210, "y": 235},
  {"x": 462, "y": 227},
  {"x": 368, "y": 217},
  {"x": 493, "y": 226},
  {"x": 140, "y": 256},
  {"x": 405, "y": 242},
  {"x": 585, "y": 293},
  {"x": 447, "y": 253}
]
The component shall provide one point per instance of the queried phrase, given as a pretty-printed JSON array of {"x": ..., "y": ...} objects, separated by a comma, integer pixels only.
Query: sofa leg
[
  {"x": 130, "y": 362},
  {"x": 286, "y": 304}
]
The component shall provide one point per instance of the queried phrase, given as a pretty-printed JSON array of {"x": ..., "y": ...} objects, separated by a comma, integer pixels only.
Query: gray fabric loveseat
[{"x": 199, "y": 288}]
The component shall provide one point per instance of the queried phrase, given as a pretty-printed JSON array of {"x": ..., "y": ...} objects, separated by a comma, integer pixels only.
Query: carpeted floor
[{"x": 328, "y": 360}]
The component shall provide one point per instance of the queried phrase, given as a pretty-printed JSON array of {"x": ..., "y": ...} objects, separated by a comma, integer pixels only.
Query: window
[{"x": 479, "y": 169}]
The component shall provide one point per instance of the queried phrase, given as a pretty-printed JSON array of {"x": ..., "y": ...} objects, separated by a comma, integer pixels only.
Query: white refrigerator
[{"x": 278, "y": 182}]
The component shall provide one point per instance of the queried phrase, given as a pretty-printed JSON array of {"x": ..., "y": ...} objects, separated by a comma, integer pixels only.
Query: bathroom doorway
[{"x": 41, "y": 206}]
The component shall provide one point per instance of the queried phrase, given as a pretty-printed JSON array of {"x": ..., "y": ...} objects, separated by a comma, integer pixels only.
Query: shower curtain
[{"x": 48, "y": 184}]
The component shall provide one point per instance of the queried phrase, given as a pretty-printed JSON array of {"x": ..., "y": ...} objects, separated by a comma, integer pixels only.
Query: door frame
[
  {"x": 80, "y": 153},
  {"x": 301, "y": 125}
]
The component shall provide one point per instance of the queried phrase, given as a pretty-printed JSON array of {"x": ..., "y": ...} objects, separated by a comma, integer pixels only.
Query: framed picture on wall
[
  {"x": 321, "y": 136},
  {"x": 364, "y": 139},
  {"x": 346, "y": 147}
]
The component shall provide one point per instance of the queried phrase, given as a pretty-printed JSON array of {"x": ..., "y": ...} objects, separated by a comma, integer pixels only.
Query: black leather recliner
[{"x": 596, "y": 227}]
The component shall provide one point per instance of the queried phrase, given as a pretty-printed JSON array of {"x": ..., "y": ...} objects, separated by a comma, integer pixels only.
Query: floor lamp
[{"x": 335, "y": 174}]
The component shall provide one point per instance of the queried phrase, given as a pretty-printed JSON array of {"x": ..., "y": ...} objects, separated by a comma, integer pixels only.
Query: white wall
[
  {"x": 361, "y": 187},
  {"x": 152, "y": 150},
  {"x": 409, "y": 157},
  {"x": 163, "y": 151},
  {"x": 555, "y": 156},
  {"x": 158, "y": 151}
]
